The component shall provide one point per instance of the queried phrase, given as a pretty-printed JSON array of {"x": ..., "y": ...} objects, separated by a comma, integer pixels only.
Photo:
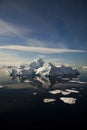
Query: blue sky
[{"x": 51, "y": 29}]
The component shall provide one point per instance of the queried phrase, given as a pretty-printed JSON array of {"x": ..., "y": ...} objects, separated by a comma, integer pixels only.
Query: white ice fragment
[
  {"x": 34, "y": 93},
  {"x": 55, "y": 91},
  {"x": 65, "y": 93},
  {"x": 80, "y": 82},
  {"x": 68, "y": 100},
  {"x": 27, "y": 81},
  {"x": 48, "y": 100},
  {"x": 72, "y": 91}
]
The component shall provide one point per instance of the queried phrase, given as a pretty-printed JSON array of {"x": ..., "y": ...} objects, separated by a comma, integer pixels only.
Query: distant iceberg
[{"x": 39, "y": 67}]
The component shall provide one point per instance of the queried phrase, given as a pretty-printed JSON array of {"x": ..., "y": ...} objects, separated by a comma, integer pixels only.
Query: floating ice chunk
[
  {"x": 55, "y": 91},
  {"x": 1, "y": 86},
  {"x": 65, "y": 93},
  {"x": 68, "y": 100},
  {"x": 27, "y": 81},
  {"x": 72, "y": 91},
  {"x": 48, "y": 100},
  {"x": 80, "y": 82},
  {"x": 34, "y": 93}
]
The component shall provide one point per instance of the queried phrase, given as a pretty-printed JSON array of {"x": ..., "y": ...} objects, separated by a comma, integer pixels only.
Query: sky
[{"x": 54, "y": 30}]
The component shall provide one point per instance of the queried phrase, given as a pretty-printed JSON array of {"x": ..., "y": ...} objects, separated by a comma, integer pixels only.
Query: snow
[
  {"x": 37, "y": 63},
  {"x": 49, "y": 100},
  {"x": 68, "y": 100}
]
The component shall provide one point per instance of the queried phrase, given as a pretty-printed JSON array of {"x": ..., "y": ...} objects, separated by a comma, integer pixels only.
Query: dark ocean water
[{"x": 22, "y": 105}]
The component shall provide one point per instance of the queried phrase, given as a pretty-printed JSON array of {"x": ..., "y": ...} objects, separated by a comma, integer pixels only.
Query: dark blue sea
[{"x": 43, "y": 102}]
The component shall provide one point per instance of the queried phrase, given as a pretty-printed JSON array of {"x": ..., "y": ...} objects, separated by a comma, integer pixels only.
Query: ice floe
[
  {"x": 27, "y": 81},
  {"x": 49, "y": 100},
  {"x": 59, "y": 91},
  {"x": 72, "y": 91},
  {"x": 80, "y": 82},
  {"x": 34, "y": 93},
  {"x": 65, "y": 93},
  {"x": 55, "y": 91},
  {"x": 68, "y": 100}
]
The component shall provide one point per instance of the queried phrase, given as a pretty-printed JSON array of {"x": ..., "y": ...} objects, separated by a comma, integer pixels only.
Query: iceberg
[
  {"x": 38, "y": 67},
  {"x": 69, "y": 72},
  {"x": 37, "y": 63},
  {"x": 22, "y": 72},
  {"x": 48, "y": 69}
]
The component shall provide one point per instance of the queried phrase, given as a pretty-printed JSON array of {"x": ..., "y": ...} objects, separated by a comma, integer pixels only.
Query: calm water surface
[{"x": 25, "y": 102}]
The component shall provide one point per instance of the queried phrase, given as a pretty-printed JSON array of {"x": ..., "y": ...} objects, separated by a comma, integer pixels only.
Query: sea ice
[
  {"x": 55, "y": 91},
  {"x": 49, "y": 100},
  {"x": 68, "y": 100}
]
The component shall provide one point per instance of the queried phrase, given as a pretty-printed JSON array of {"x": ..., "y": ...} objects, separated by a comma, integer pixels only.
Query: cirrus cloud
[{"x": 41, "y": 49}]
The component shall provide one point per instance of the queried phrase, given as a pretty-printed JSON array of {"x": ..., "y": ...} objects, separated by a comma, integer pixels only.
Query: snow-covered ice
[
  {"x": 68, "y": 100},
  {"x": 38, "y": 67},
  {"x": 80, "y": 82},
  {"x": 34, "y": 93},
  {"x": 72, "y": 91},
  {"x": 65, "y": 93},
  {"x": 55, "y": 91},
  {"x": 49, "y": 100}
]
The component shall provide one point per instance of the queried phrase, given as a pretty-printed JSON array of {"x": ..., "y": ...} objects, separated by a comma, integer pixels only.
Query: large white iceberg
[
  {"x": 28, "y": 69},
  {"x": 38, "y": 67},
  {"x": 48, "y": 69}
]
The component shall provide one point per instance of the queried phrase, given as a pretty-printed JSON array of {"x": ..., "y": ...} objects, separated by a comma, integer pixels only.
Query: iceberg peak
[{"x": 37, "y": 63}]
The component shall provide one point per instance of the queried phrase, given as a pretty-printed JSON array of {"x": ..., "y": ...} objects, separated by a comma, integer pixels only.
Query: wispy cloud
[
  {"x": 8, "y": 29},
  {"x": 32, "y": 42},
  {"x": 41, "y": 49}
]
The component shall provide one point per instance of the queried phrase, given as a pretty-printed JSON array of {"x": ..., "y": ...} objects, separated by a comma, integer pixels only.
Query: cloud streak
[
  {"x": 41, "y": 49},
  {"x": 8, "y": 29}
]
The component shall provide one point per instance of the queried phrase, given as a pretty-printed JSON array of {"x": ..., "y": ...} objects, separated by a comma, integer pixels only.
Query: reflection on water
[{"x": 40, "y": 81}]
